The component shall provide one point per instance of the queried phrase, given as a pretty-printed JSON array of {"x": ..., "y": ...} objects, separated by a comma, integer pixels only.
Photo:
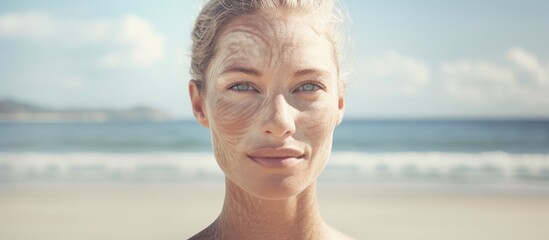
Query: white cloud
[
  {"x": 478, "y": 80},
  {"x": 529, "y": 63},
  {"x": 522, "y": 79},
  {"x": 32, "y": 25},
  {"x": 130, "y": 40},
  {"x": 148, "y": 47},
  {"x": 394, "y": 74}
]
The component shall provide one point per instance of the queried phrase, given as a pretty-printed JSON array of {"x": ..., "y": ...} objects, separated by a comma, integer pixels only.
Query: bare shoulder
[
  {"x": 201, "y": 236},
  {"x": 205, "y": 234}
]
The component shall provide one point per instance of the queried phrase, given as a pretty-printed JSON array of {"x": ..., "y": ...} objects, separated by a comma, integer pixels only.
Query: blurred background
[{"x": 446, "y": 132}]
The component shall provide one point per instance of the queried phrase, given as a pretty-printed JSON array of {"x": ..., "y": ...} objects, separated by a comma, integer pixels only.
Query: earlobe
[
  {"x": 197, "y": 103},
  {"x": 341, "y": 109}
]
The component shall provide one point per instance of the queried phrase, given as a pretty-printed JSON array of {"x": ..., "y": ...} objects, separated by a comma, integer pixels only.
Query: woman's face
[{"x": 271, "y": 101}]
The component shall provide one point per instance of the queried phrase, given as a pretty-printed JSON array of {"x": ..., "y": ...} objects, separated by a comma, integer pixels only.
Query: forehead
[{"x": 268, "y": 40}]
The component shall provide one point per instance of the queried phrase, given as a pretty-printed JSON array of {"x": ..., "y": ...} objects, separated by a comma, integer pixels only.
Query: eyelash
[
  {"x": 316, "y": 87},
  {"x": 236, "y": 85}
]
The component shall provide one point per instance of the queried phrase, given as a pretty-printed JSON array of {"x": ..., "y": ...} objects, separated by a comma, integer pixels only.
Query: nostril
[{"x": 278, "y": 133}]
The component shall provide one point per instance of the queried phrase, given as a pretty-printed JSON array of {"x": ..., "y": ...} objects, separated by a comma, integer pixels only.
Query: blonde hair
[{"x": 217, "y": 13}]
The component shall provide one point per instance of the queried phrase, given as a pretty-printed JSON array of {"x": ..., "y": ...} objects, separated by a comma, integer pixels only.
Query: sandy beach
[{"x": 179, "y": 212}]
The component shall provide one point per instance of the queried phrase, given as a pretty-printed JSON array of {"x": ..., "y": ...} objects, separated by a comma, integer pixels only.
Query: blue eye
[
  {"x": 242, "y": 87},
  {"x": 308, "y": 87}
]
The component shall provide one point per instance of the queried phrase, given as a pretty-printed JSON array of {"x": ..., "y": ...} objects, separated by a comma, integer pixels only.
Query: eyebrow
[
  {"x": 254, "y": 72},
  {"x": 245, "y": 70},
  {"x": 307, "y": 71}
]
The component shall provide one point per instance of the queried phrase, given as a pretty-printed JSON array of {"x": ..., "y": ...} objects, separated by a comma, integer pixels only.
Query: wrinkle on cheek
[
  {"x": 232, "y": 122},
  {"x": 233, "y": 117},
  {"x": 319, "y": 119},
  {"x": 318, "y": 123}
]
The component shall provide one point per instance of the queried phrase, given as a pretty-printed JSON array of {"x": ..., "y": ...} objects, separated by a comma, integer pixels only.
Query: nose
[{"x": 279, "y": 118}]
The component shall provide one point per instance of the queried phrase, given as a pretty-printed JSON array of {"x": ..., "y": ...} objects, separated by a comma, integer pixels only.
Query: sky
[{"x": 404, "y": 59}]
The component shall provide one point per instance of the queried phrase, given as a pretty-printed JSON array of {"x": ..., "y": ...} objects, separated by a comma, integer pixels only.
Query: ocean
[{"x": 444, "y": 154}]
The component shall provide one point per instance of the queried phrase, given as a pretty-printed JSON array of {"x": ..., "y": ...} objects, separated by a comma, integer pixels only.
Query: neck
[{"x": 245, "y": 216}]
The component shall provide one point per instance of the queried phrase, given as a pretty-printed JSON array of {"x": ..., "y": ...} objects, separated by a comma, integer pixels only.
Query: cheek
[
  {"x": 319, "y": 122},
  {"x": 233, "y": 118},
  {"x": 231, "y": 121},
  {"x": 317, "y": 127}
]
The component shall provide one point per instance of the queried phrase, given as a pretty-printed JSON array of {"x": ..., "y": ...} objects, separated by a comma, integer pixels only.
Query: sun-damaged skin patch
[{"x": 273, "y": 57}]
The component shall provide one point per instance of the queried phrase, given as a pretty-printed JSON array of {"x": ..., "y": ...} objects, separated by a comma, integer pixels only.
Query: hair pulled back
[{"x": 216, "y": 14}]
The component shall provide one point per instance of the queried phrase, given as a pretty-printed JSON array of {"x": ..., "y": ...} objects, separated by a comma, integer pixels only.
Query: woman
[{"x": 266, "y": 84}]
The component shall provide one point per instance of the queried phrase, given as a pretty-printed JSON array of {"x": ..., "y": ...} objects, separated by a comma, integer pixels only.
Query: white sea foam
[
  {"x": 443, "y": 163},
  {"x": 343, "y": 167}
]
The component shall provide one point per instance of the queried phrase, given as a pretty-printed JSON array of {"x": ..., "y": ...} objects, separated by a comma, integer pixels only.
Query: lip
[{"x": 283, "y": 157}]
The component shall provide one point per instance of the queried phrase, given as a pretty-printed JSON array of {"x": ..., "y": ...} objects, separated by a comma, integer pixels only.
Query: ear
[
  {"x": 341, "y": 108},
  {"x": 197, "y": 101}
]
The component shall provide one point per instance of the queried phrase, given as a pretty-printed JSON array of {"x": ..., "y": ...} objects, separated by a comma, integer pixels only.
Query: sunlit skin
[{"x": 271, "y": 100}]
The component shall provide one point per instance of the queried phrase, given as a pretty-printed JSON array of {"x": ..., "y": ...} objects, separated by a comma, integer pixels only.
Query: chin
[{"x": 277, "y": 187}]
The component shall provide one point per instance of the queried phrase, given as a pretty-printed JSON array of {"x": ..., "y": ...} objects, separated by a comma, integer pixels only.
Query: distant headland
[{"x": 17, "y": 111}]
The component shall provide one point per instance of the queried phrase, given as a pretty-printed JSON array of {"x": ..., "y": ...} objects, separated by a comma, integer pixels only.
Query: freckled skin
[
  {"x": 236, "y": 120},
  {"x": 274, "y": 114}
]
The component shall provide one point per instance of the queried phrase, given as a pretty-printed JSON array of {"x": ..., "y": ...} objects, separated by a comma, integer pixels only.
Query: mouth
[{"x": 277, "y": 157}]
